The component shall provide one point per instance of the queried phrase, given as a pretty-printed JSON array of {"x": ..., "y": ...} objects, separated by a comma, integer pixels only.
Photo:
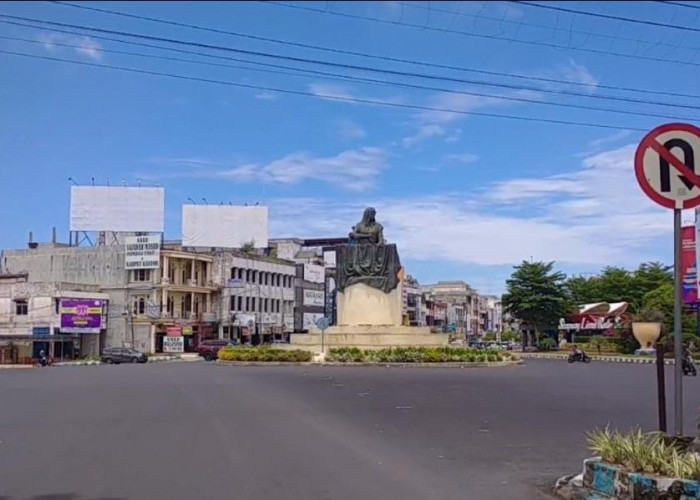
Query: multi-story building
[
  {"x": 412, "y": 302},
  {"x": 317, "y": 276},
  {"x": 458, "y": 300},
  {"x": 257, "y": 296},
  {"x": 140, "y": 304}
]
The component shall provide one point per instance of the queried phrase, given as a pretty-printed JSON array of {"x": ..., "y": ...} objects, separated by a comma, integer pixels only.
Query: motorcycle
[
  {"x": 579, "y": 356},
  {"x": 687, "y": 365}
]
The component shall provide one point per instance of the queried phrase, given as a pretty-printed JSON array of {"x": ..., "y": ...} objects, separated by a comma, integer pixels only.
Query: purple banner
[{"x": 81, "y": 315}]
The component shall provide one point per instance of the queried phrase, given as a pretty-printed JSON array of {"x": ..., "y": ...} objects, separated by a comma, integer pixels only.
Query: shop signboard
[
  {"x": 174, "y": 331},
  {"x": 142, "y": 252},
  {"x": 187, "y": 330},
  {"x": 174, "y": 344},
  {"x": 314, "y": 298},
  {"x": 81, "y": 315}
]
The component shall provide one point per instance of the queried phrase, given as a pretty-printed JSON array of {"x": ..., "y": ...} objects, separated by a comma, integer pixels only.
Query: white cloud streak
[{"x": 85, "y": 46}]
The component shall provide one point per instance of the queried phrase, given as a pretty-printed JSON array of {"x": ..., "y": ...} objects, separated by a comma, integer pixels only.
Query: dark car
[
  {"x": 116, "y": 355},
  {"x": 209, "y": 349}
]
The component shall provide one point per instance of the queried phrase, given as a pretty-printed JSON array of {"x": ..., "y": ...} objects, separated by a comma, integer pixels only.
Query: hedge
[
  {"x": 416, "y": 355},
  {"x": 263, "y": 354}
]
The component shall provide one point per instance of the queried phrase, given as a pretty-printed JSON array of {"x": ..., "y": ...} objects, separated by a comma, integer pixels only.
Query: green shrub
[
  {"x": 415, "y": 355},
  {"x": 650, "y": 453},
  {"x": 264, "y": 354},
  {"x": 547, "y": 344}
]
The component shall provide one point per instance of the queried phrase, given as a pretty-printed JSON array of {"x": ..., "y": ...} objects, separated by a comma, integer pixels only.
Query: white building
[{"x": 257, "y": 295}]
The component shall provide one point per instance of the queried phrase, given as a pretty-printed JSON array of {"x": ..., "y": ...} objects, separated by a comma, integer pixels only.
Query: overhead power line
[
  {"x": 347, "y": 66},
  {"x": 608, "y": 16},
  {"x": 479, "y": 35},
  {"x": 325, "y": 96},
  {"x": 379, "y": 56},
  {"x": 336, "y": 76},
  {"x": 568, "y": 31},
  {"x": 680, "y": 4}
]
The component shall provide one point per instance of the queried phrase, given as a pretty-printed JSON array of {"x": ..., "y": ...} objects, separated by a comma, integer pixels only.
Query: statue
[
  {"x": 368, "y": 258},
  {"x": 368, "y": 230}
]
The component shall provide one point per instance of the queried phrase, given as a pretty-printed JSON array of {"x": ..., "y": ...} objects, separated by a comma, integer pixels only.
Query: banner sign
[
  {"x": 81, "y": 315},
  {"x": 173, "y": 344},
  {"x": 187, "y": 330},
  {"x": 142, "y": 252},
  {"x": 309, "y": 320},
  {"x": 689, "y": 268},
  {"x": 314, "y": 298},
  {"x": 314, "y": 273}
]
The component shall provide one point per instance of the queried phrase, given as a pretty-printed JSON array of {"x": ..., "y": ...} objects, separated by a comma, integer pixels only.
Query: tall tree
[
  {"x": 536, "y": 295},
  {"x": 650, "y": 276},
  {"x": 583, "y": 290}
]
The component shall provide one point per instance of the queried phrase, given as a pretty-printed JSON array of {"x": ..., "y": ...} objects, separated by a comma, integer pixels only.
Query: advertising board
[
  {"x": 81, "y": 315},
  {"x": 117, "y": 209},
  {"x": 142, "y": 252}
]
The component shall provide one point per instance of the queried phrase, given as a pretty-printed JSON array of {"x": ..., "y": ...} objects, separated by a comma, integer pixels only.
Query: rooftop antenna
[
  {"x": 73, "y": 181},
  {"x": 193, "y": 202}
]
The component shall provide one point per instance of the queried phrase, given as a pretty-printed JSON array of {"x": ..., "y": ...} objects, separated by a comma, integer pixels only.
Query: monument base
[
  {"x": 360, "y": 304},
  {"x": 369, "y": 337}
]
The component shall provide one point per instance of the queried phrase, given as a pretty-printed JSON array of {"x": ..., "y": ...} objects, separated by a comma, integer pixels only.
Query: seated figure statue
[
  {"x": 368, "y": 230},
  {"x": 368, "y": 259}
]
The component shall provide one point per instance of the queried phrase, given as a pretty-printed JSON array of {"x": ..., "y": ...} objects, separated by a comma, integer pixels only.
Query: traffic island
[{"x": 635, "y": 466}]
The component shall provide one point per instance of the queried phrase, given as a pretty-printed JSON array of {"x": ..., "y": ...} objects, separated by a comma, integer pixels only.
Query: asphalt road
[{"x": 201, "y": 431}]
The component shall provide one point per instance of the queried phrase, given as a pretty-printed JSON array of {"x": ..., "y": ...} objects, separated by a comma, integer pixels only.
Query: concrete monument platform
[{"x": 370, "y": 337}]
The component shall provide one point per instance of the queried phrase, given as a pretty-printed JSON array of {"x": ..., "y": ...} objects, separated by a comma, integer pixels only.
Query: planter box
[{"x": 611, "y": 480}]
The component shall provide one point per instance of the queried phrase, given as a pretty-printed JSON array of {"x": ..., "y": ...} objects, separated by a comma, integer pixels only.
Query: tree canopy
[{"x": 536, "y": 295}]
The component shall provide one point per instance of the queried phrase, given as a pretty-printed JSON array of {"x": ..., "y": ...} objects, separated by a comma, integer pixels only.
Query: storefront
[{"x": 592, "y": 319}]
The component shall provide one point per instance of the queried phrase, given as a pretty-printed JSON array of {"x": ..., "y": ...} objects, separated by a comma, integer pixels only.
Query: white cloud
[
  {"x": 330, "y": 92},
  {"x": 267, "y": 96},
  {"x": 454, "y": 136},
  {"x": 595, "y": 215},
  {"x": 349, "y": 130},
  {"x": 423, "y": 133},
  {"x": 86, "y": 46},
  {"x": 354, "y": 170},
  {"x": 463, "y": 158}
]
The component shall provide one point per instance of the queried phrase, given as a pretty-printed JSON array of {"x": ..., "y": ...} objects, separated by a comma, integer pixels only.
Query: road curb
[
  {"x": 595, "y": 357},
  {"x": 493, "y": 364}
]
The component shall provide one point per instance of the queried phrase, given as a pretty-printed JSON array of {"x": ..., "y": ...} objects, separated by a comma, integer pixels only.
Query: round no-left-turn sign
[{"x": 667, "y": 163}]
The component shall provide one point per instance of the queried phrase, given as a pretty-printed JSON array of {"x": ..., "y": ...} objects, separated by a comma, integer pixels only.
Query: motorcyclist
[{"x": 42, "y": 358}]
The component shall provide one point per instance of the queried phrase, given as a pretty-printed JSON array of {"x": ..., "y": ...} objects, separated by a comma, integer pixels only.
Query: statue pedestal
[
  {"x": 369, "y": 337},
  {"x": 360, "y": 304}
]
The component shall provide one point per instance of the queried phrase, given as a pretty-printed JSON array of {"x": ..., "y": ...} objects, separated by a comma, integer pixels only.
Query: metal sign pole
[{"x": 677, "y": 330}]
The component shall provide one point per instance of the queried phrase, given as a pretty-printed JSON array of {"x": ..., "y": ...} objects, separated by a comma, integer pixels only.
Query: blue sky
[{"x": 465, "y": 197}]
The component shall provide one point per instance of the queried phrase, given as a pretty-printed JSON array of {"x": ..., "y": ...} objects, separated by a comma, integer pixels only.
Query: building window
[
  {"x": 21, "y": 307},
  {"x": 284, "y": 281},
  {"x": 142, "y": 275},
  {"x": 277, "y": 305},
  {"x": 252, "y": 304},
  {"x": 247, "y": 303},
  {"x": 240, "y": 303},
  {"x": 232, "y": 303},
  {"x": 240, "y": 274},
  {"x": 139, "y": 305},
  {"x": 265, "y": 304},
  {"x": 276, "y": 279},
  {"x": 260, "y": 277},
  {"x": 56, "y": 305},
  {"x": 233, "y": 273}
]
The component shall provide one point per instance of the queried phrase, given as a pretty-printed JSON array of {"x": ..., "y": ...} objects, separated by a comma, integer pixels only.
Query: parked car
[
  {"x": 116, "y": 355},
  {"x": 209, "y": 349}
]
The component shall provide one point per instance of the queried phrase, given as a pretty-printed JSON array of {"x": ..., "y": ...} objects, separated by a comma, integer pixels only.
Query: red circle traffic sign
[{"x": 668, "y": 180}]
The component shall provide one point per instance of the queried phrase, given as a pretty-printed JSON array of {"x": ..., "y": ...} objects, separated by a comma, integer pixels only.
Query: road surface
[{"x": 197, "y": 430}]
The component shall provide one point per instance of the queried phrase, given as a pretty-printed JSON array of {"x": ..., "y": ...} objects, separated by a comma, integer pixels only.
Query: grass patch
[
  {"x": 416, "y": 355},
  {"x": 263, "y": 354},
  {"x": 651, "y": 453}
]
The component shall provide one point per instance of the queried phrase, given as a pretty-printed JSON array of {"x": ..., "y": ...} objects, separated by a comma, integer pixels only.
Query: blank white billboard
[
  {"x": 117, "y": 208},
  {"x": 224, "y": 226}
]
